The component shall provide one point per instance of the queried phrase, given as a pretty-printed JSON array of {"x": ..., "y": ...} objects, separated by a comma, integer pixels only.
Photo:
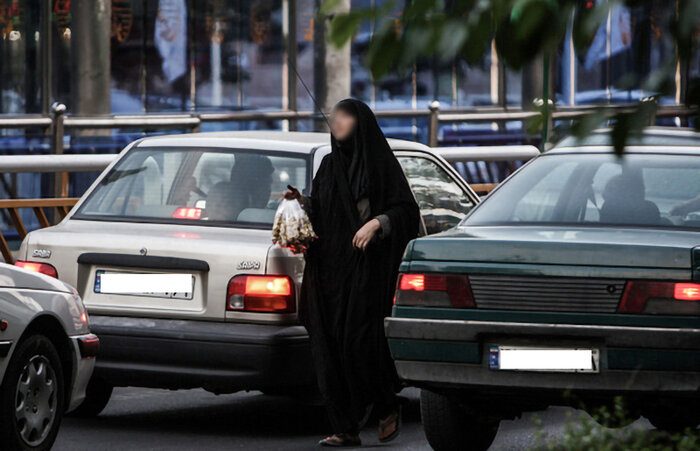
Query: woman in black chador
[{"x": 364, "y": 214}]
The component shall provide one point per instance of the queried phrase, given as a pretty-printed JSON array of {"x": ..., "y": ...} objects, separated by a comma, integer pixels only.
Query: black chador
[{"x": 348, "y": 292}]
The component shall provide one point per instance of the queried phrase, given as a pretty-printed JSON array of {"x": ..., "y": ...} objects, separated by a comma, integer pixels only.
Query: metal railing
[
  {"x": 62, "y": 205},
  {"x": 57, "y": 164},
  {"x": 57, "y": 123},
  {"x": 54, "y": 163}
]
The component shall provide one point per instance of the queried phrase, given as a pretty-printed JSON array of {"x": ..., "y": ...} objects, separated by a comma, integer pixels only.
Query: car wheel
[
  {"x": 97, "y": 396},
  {"x": 450, "y": 426},
  {"x": 32, "y": 396}
]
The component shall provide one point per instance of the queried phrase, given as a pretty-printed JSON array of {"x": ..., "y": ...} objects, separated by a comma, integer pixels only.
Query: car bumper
[
  {"x": 221, "y": 357},
  {"x": 84, "y": 366},
  {"x": 454, "y": 353}
]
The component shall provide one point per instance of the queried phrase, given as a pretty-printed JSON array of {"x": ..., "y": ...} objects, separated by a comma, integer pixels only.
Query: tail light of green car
[
  {"x": 639, "y": 297},
  {"x": 434, "y": 290},
  {"x": 664, "y": 298}
]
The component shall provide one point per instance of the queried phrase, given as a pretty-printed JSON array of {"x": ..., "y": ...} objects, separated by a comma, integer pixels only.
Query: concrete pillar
[
  {"x": 331, "y": 65},
  {"x": 91, "y": 62}
]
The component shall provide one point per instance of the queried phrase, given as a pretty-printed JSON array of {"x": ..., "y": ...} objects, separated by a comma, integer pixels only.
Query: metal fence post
[
  {"x": 60, "y": 180},
  {"x": 433, "y": 123}
]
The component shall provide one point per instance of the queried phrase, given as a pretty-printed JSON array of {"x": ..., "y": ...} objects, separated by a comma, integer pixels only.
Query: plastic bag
[{"x": 292, "y": 227}]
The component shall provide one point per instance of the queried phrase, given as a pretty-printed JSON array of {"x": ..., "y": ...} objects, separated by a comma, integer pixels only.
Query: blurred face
[{"x": 342, "y": 124}]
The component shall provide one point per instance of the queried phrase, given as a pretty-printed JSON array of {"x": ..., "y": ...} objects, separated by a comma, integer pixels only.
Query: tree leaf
[
  {"x": 342, "y": 28},
  {"x": 419, "y": 9},
  {"x": 631, "y": 123},
  {"x": 452, "y": 36},
  {"x": 522, "y": 35},
  {"x": 327, "y": 7},
  {"x": 589, "y": 122},
  {"x": 384, "y": 50},
  {"x": 586, "y": 23}
]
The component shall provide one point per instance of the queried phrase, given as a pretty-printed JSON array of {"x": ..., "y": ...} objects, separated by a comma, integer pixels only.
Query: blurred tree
[{"x": 523, "y": 30}]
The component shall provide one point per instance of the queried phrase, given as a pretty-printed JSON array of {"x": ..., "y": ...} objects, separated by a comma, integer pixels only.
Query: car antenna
[{"x": 308, "y": 91}]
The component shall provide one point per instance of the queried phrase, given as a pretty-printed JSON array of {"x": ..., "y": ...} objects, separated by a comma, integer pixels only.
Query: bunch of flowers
[{"x": 292, "y": 227}]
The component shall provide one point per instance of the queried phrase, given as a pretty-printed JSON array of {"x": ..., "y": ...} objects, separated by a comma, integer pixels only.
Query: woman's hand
[
  {"x": 366, "y": 233},
  {"x": 292, "y": 194}
]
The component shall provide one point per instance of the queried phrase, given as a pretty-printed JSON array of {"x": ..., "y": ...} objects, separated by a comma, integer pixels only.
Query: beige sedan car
[{"x": 171, "y": 252}]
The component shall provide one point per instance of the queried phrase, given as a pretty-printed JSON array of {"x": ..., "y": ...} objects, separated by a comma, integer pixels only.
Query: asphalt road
[{"x": 147, "y": 419}]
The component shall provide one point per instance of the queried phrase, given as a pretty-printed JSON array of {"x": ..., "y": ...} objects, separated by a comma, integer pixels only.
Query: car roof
[
  {"x": 14, "y": 277},
  {"x": 633, "y": 149},
  {"x": 649, "y": 141},
  {"x": 302, "y": 142}
]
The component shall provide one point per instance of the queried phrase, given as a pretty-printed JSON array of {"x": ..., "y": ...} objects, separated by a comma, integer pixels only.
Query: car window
[
  {"x": 539, "y": 202},
  {"x": 443, "y": 203},
  {"x": 197, "y": 186},
  {"x": 637, "y": 189}
]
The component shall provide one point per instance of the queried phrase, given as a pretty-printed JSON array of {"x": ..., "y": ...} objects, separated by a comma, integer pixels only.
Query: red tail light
[
  {"x": 687, "y": 292},
  {"x": 660, "y": 298},
  {"x": 434, "y": 290},
  {"x": 89, "y": 346},
  {"x": 187, "y": 213},
  {"x": 43, "y": 268},
  {"x": 258, "y": 293},
  {"x": 412, "y": 282}
]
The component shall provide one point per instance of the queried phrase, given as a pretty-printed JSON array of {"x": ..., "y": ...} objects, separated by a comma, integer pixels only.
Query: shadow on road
[{"x": 135, "y": 415}]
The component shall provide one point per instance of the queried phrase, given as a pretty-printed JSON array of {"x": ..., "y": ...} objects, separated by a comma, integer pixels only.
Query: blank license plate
[
  {"x": 564, "y": 360},
  {"x": 172, "y": 286}
]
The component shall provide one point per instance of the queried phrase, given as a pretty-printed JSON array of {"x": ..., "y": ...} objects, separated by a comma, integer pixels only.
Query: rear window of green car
[{"x": 599, "y": 189}]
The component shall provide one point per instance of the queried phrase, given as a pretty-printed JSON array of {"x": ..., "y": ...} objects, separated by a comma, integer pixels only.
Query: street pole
[
  {"x": 545, "y": 101},
  {"x": 331, "y": 65},
  {"x": 433, "y": 123},
  {"x": 60, "y": 179},
  {"x": 91, "y": 62},
  {"x": 45, "y": 52},
  {"x": 289, "y": 29}
]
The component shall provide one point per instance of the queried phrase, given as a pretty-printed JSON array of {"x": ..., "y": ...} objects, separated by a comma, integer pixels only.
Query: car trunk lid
[
  {"x": 83, "y": 251},
  {"x": 596, "y": 247},
  {"x": 550, "y": 269}
]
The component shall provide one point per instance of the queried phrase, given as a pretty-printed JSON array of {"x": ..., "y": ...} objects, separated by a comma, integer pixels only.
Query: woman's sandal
[
  {"x": 341, "y": 440},
  {"x": 385, "y": 424}
]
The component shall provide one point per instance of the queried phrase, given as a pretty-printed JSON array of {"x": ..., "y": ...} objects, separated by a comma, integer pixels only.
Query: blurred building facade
[{"x": 193, "y": 56}]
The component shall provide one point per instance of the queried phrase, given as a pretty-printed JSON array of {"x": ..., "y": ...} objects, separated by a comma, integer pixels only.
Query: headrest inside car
[{"x": 257, "y": 215}]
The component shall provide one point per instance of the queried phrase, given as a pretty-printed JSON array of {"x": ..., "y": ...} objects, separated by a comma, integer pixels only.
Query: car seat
[{"x": 249, "y": 186}]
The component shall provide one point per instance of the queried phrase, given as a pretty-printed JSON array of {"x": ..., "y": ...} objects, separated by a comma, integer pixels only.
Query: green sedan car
[{"x": 576, "y": 281}]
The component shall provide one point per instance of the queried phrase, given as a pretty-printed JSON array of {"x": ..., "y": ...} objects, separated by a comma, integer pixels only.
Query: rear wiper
[{"x": 118, "y": 174}]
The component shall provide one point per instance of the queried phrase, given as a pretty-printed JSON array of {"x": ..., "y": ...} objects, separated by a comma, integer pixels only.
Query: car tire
[
  {"x": 97, "y": 395},
  {"x": 34, "y": 377},
  {"x": 450, "y": 426}
]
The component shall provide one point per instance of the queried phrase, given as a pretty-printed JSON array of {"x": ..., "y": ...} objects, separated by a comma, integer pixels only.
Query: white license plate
[
  {"x": 172, "y": 286},
  {"x": 558, "y": 360}
]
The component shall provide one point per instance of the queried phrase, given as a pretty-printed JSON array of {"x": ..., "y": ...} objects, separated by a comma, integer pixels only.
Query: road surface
[{"x": 147, "y": 419}]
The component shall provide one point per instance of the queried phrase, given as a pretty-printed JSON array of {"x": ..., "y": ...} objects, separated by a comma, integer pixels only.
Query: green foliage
[
  {"x": 585, "y": 433},
  {"x": 631, "y": 123},
  {"x": 523, "y": 30},
  {"x": 520, "y": 36}
]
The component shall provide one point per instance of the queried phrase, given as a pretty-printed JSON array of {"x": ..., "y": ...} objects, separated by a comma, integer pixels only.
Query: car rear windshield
[
  {"x": 598, "y": 189},
  {"x": 198, "y": 186}
]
